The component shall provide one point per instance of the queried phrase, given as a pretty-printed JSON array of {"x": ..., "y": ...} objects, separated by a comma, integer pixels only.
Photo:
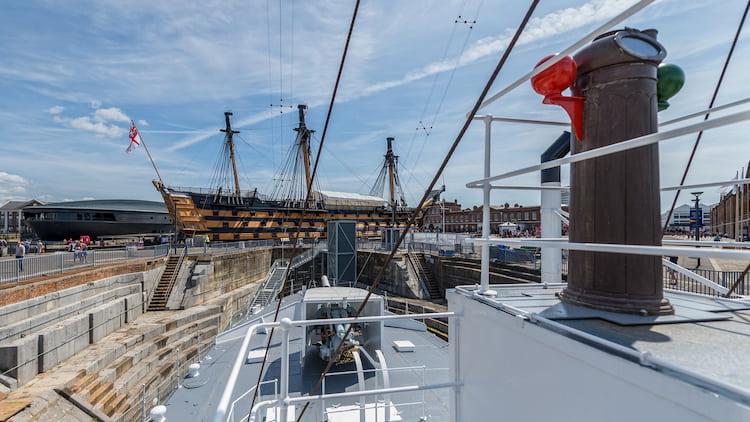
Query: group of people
[
  {"x": 514, "y": 233},
  {"x": 80, "y": 250},
  {"x": 22, "y": 248}
]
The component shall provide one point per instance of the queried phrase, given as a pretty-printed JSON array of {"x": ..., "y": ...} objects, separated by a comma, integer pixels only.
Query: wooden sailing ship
[{"x": 231, "y": 214}]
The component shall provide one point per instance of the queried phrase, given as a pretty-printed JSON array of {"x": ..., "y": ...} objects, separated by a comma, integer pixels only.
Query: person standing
[
  {"x": 206, "y": 245},
  {"x": 20, "y": 252},
  {"x": 39, "y": 246},
  {"x": 672, "y": 273},
  {"x": 77, "y": 251}
]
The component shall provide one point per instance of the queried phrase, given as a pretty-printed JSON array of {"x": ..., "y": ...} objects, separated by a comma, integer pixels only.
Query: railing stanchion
[{"x": 143, "y": 402}]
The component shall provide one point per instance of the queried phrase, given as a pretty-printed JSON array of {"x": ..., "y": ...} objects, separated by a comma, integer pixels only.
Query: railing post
[
  {"x": 323, "y": 401},
  {"x": 177, "y": 378},
  {"x": 143, "y": 403},
  {"x": 285, "y": 327},
  {"x": 62, "y": 262}
]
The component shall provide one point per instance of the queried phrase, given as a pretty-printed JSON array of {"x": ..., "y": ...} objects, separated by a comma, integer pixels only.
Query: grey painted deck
[{"x": 198, "y": 398}]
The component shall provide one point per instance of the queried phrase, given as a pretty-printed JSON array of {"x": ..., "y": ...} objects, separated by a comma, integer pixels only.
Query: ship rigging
[{"x": 226, "y": 213}]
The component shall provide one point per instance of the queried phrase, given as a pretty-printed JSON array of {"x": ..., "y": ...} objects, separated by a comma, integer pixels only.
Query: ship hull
[
  {"x": 58, "y": 230},
  {"x": 227, "y": 218},
  {"x": 98, "y": 218}
]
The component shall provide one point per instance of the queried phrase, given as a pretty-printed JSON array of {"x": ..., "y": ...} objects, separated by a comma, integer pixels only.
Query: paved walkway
[{"x": 710, "y": 263}]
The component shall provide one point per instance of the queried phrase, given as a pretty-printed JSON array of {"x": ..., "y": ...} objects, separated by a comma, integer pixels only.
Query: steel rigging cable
[
  {"x": 427, "y": 131},
  {"x": 296, "y": 246},
  {"x": 447, "y": 158},
  {"x": 710, "y": 105}
]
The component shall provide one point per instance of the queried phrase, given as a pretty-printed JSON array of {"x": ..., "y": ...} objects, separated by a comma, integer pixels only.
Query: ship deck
[
  {"x": 198, "y": 397},
  {"x": 705, "y": 342}
]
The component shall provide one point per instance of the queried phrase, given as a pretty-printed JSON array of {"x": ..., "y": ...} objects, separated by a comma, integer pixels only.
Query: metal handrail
[
  {"x": 285, "y": 324},
  {"x": 173, "y": 278},
  {"x": 618, "y": 147},
  {"x": 418, "y": 271},
  {"x": 275, "y": 382},
  {"x": 39, "y": 265},
  {"x": 589, "y": 37},
  {"x": 696, "y": 277},
  {"x": 562, "y": 243},
  {"x": 376, "y": 392},
  {"x": 277, "y": 264}
]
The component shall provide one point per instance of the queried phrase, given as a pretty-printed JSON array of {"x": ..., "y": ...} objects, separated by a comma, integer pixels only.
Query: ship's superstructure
[
  {"x": 230, "y": 214},
  {"x": 95, "y": 218}
]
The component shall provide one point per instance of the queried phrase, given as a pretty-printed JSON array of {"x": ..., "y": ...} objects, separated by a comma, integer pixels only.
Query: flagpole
[{"x": 148, "y": 153}]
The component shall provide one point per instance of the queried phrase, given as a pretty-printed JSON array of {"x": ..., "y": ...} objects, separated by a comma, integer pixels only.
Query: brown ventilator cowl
[{"x": 615, "y": 198}]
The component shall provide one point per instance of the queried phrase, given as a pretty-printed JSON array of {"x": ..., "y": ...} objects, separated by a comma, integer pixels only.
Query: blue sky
[{"x": 74, "y": 73}]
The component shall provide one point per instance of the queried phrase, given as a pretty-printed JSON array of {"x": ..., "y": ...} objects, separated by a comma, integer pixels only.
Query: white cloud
[
  {"x": 55, "y": 110},
  {"x": 12, "y": 185},
  {"x": 87, "y": 198},
  {"x": 98, "y": 122},
  {"x": 205, "y": 134},
  {"x": 142, "y": 123},
  {"x": 547, "y": 26},
  {"x": 100, "y": 128},
  {"x": 112, "y": 113}
]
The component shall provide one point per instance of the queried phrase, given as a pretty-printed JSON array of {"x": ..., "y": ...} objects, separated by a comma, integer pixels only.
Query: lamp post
[{"x": 698, "y": 219}]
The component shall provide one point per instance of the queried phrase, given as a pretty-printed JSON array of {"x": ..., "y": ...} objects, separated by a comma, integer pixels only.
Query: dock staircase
[
  {"x": 425, "y": 276},
  {"x": 269, "y": 290},
  {"x": 166, "y": 283},
  {"x": 271, "y": 286},
  {"x": 119, "y": 385}
]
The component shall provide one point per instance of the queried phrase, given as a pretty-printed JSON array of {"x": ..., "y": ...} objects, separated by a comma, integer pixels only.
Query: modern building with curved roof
[{"x": 107, "y": 217}]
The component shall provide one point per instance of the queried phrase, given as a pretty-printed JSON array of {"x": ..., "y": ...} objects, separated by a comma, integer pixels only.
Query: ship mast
[
  {"x": 390, "y": 161},
  {"x": 230, "y": 142},
  {"x": 389, "y": 171},
  {"x": 304, "y": 143}
]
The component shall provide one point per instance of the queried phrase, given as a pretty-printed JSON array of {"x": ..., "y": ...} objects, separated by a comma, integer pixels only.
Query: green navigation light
[{"x": 671, "y": 78}]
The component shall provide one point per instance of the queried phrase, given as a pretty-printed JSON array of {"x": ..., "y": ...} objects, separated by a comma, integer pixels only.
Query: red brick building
[
  {"x": 469, "y": 220},
  {"x": 433, "y": 217},
  {"x": 724, "y": 214},
  {"x": 732, "y": 207}
]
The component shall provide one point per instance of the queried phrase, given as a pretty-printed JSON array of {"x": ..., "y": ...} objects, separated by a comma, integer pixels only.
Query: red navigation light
[{"x": 552, "y": 82}]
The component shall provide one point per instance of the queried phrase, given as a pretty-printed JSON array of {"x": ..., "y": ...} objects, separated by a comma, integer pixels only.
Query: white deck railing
[{"x": 284, "y": 400}]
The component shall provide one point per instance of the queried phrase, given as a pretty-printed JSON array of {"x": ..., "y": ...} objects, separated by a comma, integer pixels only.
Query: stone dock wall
[{"x": 85, "y": 339}]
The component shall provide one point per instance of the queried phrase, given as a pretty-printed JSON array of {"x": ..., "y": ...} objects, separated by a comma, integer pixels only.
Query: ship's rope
[
  {"x": 425, "y": 130},
  {"x": 710, "y": 105},
  {"x": 296, "y": 247},
  {"x": 221, "y": 177},
  {"x": 427, "y": 192},
  {"x": 270, "y": 82},
  {"x": 346, "y": 166}
]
